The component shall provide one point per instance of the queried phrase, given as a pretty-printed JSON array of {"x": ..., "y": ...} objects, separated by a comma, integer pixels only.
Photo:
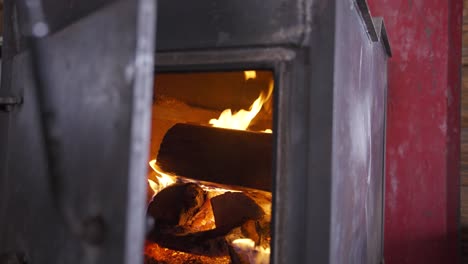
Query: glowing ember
[
  {"x": 204, "y": 220},
  {"x": 256, "y": 254},
  {"x": 158, "y": 254},
  {"x": 241, "y": 119}
]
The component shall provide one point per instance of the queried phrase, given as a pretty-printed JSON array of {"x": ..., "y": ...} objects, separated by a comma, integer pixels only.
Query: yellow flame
[
  {"x": 241, "y": 120},
  {"x": 250, "y": 75},
  {"x": 154, "y": 186},
  {"x": 163, "y": 179}
]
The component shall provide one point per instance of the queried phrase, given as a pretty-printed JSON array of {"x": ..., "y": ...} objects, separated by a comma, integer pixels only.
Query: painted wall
[{"x": 423, "y": 130}]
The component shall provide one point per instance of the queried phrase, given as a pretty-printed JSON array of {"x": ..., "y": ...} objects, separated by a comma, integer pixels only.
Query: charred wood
[
  {"x": 233, "y": 209},
  {"x": 176, "y": 204},
  {"x": 174, "y": 207},
  {"x": 219, "y": 155}
]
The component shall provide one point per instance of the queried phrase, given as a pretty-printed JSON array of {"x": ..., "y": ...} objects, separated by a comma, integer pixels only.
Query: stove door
[{"x": 98, "y": 68}]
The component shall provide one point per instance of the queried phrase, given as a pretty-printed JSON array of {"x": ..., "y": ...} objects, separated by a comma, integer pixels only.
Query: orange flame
[
  {"x": 241, "y": 119},
  {"x": 163, "y": 180}
]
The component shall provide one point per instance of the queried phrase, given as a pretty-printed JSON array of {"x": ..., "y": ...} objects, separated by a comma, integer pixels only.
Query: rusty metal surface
[{"x": 100, "y": 94}]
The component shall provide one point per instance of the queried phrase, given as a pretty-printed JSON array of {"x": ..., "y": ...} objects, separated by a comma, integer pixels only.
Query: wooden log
[
  {"x": 176, "y": 204},
  {"x": 233, "y": 209},
  {"x": 218, "y": 155}
]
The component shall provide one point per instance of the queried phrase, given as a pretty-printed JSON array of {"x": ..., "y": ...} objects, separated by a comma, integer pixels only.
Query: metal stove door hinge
[{"x": 8, "y": 102}]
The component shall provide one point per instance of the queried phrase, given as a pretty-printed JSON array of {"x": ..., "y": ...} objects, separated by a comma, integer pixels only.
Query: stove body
[{"x": 329, "y": 60}]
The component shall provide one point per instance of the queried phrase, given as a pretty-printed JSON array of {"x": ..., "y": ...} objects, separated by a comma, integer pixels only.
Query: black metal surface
[
  {"x": 62, "y": 13},
  {"x": 209, "y": 23},
  {"x": 319, "y": 140},
  {"x": 358, "y": 143},
  {"x": 367, "y": 18},
  {"x": 330, "y": 80},
  {"x": 382, "y": 34},
  {"x": 35, "y": 29},
  {"x": 13, "y": 258},
  {"x": 101, "y": 99},
  {"x": 57, "y": 14},
  {"x": 8, "y": 102},
  {"x": 187, "y": 25}
]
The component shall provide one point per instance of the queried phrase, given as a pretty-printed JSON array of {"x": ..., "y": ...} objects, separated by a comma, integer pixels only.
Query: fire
[
  {"x": 250, "y": 75},
  {"x": 245, "y": 247},
  {"x": 241, "y": 119},
  {"x": 163, "y": 179}
]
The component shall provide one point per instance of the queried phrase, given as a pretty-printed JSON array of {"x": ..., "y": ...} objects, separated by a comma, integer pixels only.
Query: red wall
[{"x": 423, "y": 130}]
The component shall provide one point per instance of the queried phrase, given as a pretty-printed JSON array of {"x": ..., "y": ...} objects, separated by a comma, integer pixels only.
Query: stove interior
[{"x": 210, "y": 177}]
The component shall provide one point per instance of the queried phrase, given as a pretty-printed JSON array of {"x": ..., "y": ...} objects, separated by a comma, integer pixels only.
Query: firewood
[
  {"x": 176, "y": 204},
  {"x": 218, "y": 155},
  {"x": 249, "y": 230},
  {"x": 233, "y": 209},
  {"x": 207, "y": 243}
]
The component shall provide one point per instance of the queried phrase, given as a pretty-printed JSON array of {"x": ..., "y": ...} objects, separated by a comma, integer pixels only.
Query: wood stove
[{"x": 93, "y": 90}]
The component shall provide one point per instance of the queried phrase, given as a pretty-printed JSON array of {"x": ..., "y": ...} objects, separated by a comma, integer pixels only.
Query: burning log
[
  {"x": 226, "y": 156},
  {"x": 174, "y": 208},
  {"x": 202, "y": 222},
  {"x": 233, "y": 209},
  {"x": 175, "y": 205}
]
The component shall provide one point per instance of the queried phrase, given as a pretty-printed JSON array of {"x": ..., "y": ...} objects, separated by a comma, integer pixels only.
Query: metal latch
[{"x": 8, "y": 102}]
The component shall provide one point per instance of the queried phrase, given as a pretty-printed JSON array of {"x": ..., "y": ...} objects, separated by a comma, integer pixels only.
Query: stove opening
[{"x": 210, "y": 178}]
